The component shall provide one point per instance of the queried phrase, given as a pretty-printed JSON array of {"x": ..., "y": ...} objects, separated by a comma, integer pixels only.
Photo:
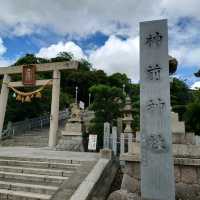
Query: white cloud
[
  {"x": 75, "y": 17},
  {"x": 84, "y": 17},
  {"x": 54, "y": 49},
  {"x": 179, "y": 8},
  {"x": 118, "y": 56},
  {"x": 187, "y": 56},
  {"x": 23, "y": 29},
  {"x": 196, "y": 85},
  {"x": 2, "y": 47},
  {"x": 3, "y": 62}
]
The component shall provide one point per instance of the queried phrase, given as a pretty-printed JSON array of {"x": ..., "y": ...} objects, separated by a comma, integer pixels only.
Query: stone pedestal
[
  {"x": 186, "y": 171},
  {"x": 71, "y": 136},
  {"x": 72, "y": 129}
]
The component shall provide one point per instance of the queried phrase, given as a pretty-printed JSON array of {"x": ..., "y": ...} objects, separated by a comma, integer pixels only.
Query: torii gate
[{"x": 55, "y": 68}]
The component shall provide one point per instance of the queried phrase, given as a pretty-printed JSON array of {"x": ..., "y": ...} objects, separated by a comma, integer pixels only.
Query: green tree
[
  {"x": 118, "y": 79},
  {"x": 180, "y": 96},
  {"x": 30, "y": 59},
  {"x": 197, "y": 74},
  {"x": 107, "y": 104},
  {"x": 62, "y": 56},
  {"x": 135, "y": 97},
  {"x": 173, "y": 64},
  {"x": 192, "y": 113}
]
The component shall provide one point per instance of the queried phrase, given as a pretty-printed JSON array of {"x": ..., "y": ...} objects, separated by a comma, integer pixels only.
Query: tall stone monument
[{"x": 157, "y": 174}]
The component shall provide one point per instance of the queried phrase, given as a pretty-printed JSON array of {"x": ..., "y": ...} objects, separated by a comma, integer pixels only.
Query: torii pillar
[
  {"x": 54, "y": 117},
  {"x": 56, "y": 68},
  {"x": 3, "y": 100}
]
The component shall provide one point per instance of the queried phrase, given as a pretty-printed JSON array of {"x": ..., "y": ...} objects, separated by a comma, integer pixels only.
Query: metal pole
[
  {"x": 123, "y": 88},
  {"x": 89, "y": 98},
  {"x": 76, "y": 95}
]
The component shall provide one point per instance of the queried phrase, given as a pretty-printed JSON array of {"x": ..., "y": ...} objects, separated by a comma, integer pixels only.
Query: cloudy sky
[{"x": 102, "y": 31}]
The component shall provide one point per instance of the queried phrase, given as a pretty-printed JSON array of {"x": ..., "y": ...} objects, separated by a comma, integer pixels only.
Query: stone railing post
[
  {"x": 130, "y": 142},
  {"x": 122, "y": 143},
  {"x": 114, "y": 140},
  {"x": 106, "y": 135}
]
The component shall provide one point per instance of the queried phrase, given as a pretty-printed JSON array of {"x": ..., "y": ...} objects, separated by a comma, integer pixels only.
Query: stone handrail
[{"x": 29, "y": 124}]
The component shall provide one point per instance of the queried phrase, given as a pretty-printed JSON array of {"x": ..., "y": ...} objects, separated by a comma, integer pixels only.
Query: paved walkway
[{"x": 47, "y": 153}]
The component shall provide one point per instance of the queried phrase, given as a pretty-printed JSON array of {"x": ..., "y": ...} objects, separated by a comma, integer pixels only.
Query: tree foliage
[
  {"x": 106, "y": 94},
  {"x": 192, "y": 113},
  {"x": 107, "y": 102},
  {"x": 180, "y": 96},
  {"x": 107, "y": 105},
  {"x": 197, "y": 74}
]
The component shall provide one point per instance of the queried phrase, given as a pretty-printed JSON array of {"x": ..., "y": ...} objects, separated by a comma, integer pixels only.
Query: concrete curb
[{"x": 86, "y": 187}]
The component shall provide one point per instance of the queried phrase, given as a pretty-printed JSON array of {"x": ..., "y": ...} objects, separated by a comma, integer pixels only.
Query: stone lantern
[{"x": 127, "y": 116}]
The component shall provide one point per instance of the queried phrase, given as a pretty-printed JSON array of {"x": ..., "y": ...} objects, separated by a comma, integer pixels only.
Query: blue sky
[{"x": 104, "y": 32}]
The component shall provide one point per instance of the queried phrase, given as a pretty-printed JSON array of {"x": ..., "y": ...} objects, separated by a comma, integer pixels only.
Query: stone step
[
  {"x": 35, "y": 139},
  {"x": 27, "y": 187},
  {"x": 40, "y": 171},
  {"x": 43, "y": 135},
  {"x": 32, "y": 177},
  {"x": 30, "y": 136},
  {"x": 27, "y": 139},
  {"x": 22, "y": 144},
  {"x": 39, "y": 164},
  {"x": 33, "y": 159},
  {"x": 20, "y": 195}
]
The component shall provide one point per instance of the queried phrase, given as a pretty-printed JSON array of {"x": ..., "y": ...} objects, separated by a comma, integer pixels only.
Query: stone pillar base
[
  {"x": 106, "y": 153},
  {"x": 70, "y": 143}
]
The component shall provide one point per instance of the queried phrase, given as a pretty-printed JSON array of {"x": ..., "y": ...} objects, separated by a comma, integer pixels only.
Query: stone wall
[{"x": 186, "y": 171}]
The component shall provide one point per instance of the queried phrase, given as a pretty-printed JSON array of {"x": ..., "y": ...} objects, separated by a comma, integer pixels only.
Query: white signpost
[
  {"x": 82, "y": 105},
  {"x": 92, "y": 144}
]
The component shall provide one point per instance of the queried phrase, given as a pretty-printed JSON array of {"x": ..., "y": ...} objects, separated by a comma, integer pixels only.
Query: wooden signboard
[{"x": 28, "y": 74}]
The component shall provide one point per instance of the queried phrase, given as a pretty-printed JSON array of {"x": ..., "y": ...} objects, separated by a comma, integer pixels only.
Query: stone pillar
[
  {"x": 3, "y": 100},
  {"x": 119, "y": 126},
  {"x": 157, "y": 174},
  {"x": 130, "y": 143},
  {"x": 114, "y": 140},
  {"x": 54, "y": 117},
  {"x": 122, "y": 141},
  {"x": 106, "y": 135}
]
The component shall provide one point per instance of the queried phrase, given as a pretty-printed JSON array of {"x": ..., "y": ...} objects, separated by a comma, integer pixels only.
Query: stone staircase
[
  {"x": 33, "y": 138},
  {"x": 33, "y": 178}
]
